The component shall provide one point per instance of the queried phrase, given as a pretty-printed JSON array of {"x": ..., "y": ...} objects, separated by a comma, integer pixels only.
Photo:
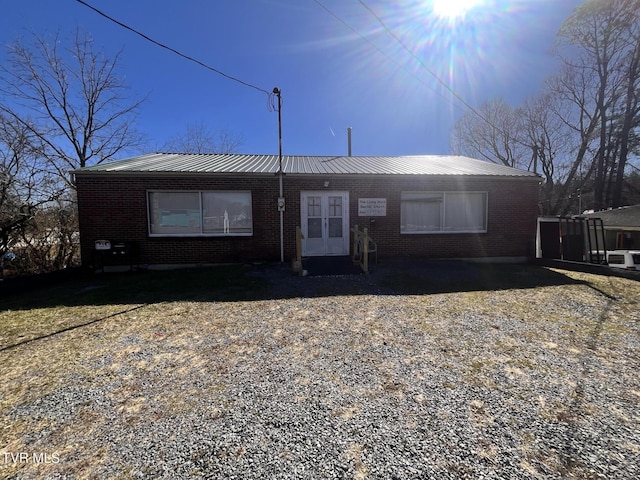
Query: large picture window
[
  {"x": 194, "y": 213},
  {"x": 443, "y": 212}
]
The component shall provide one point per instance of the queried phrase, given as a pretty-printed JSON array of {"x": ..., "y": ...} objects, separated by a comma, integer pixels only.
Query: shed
[{"x": 197, "y": 208}]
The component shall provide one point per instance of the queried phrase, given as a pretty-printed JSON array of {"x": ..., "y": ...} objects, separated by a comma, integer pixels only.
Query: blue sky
[{"x": 331, "y": 76}]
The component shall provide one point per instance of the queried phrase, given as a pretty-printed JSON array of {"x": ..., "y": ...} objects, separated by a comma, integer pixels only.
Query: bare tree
[
  {"x": 492, "y": 135},
  {"x": 80, "y": 110},
  {"x": 630, "y": 116},
  {"x": 581, "y": 132},
  {"x": 545, "y": 135},
  {"x": 530, "y": 137},
  {"x": 24, "y": 185},
  {"x": 574, "y": 108},
  {"x": 597, "y": 44},
  {"x": 61, "y": 109},
  {"x": 197, "y": 138}
]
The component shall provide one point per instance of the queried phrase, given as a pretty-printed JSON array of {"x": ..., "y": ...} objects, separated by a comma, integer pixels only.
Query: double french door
[{"x": 325, "y": 223}]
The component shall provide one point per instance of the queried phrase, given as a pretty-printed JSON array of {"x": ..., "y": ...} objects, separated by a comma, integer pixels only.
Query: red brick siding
[{"x": 114, "y": 207}]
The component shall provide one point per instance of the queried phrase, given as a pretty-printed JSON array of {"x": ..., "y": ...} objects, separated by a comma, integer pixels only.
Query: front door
[{"x": 325, "y": 223}]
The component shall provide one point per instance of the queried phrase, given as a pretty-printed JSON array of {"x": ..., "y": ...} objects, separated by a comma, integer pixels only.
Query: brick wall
[{"x": 114, "y": 207}]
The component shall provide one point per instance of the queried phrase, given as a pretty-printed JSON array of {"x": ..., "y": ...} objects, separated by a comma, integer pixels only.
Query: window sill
[
  {"x": 441, "y": 232},
  {"x": 199, "y": 235}
]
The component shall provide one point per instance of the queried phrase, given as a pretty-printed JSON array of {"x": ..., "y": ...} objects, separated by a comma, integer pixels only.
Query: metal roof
[
  {"x": 305, "y": 165},
  {"x": 623, "y": 217}
]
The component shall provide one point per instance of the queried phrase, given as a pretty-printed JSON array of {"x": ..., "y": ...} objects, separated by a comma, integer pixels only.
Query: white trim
[{"x": 325, "y": 249}]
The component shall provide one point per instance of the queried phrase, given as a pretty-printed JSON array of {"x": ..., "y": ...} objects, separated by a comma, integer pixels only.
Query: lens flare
[
  {"x": 454, "y": 8},
  {"x": 429, "y": 64}
]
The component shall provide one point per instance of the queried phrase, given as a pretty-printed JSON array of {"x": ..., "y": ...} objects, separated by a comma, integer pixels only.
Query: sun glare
[{"x": 453, "y": 8}]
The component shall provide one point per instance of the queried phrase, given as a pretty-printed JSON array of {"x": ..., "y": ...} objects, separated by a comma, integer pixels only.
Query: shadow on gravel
[
  {"x": 275, "y": 281},
  {"x": 410, "y": 277},
  {"x": 130, "y": 291},
  {"x": 23, "y": 341},
  {"x": 83, "y": 288}
]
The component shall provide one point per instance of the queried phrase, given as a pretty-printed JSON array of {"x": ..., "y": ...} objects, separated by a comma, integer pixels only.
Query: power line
[
  {"x": 173, "y": 50},
  {"x": 419, "y": 60},
  {"x": 435, "y": 75},
  {"x": 422, "y": 64},
  {"x": 389, "y": 57}
]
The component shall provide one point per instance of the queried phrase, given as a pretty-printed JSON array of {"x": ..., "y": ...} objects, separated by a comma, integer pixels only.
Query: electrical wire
[
  {"x": 419, "y": 60},
  {"x": 422, "y": 64},
  {"x": 270, "y": 95},
  {"x": 173, "y": 50},
  {"x": 375, "y": 47},
  {"x": 435, "y": 75}
]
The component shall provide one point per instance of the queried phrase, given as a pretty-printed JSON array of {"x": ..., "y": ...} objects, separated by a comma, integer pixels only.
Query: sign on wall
[
  {"x": 102, "y": 245},
  {"x": 372, "y": 207}
]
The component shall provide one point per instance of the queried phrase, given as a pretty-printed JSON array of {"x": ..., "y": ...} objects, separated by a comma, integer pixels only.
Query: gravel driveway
[{"x": 341, "y": 377}]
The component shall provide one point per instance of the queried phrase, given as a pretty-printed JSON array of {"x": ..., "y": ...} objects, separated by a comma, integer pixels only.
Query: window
[
  {"x": 443, "y": 212},
  {"x": 197, "y": 213},
  {"x": 335, "y": 217}
]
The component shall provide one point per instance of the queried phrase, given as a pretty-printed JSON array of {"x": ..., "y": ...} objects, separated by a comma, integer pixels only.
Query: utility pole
[{"x": 281, "y": 203}]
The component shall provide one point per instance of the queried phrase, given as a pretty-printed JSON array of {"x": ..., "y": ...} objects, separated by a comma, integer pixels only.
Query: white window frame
[
  {"x": 202, "y": 232},
  {"x": 443, "y": 229}
]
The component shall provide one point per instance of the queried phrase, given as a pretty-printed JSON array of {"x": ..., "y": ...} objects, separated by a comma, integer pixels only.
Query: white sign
[
  {"x": 372, "y": 207},
  {"x": 102, "y": 245}
]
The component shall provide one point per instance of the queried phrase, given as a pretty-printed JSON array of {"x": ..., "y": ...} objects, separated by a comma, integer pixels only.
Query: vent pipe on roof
[{"x": 349, "y": 140}]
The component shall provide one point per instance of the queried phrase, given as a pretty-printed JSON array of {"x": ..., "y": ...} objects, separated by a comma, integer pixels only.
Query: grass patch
[{"x": 90, "y": 298}]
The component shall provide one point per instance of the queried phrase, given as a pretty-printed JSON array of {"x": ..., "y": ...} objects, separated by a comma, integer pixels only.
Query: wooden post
[
  {"x": 299, "y": 244},
  {"x": 296, "y": 264},
  {"x": 365, "y": 250},
  {"x": 355, "y": 244}
]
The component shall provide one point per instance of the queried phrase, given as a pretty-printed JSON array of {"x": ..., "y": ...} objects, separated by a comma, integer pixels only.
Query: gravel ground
[{"x": 526, "y": 383}]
